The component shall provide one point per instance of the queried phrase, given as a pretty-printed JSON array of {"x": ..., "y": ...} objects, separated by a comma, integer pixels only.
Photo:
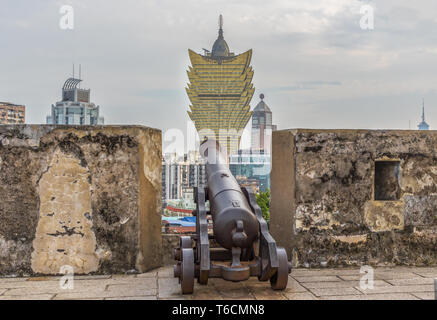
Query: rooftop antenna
[
  {"x": 220, "y": 26},
  {"x": 80, "y": 73},
  {"x": 423, "y": 109}
]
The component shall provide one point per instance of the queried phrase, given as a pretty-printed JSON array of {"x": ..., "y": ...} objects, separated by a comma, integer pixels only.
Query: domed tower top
[
  {"x": 262, "y": 106},
  {"x": 220, "y": 48}
]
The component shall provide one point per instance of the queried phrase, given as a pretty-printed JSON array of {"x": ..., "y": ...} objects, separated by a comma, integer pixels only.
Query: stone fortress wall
[
  {"x": 354, "y": 197},
  {"x": 84, "y": 197},
  {"x": 89, "y": 197}
]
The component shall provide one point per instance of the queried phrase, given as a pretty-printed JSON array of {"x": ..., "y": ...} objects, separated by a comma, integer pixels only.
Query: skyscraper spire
[
  {"x": 423, "y": 110},
  {"x": 423, "y": 125},
  {"x": 220, "y": 47},
  {"x": 221, "y": 27}
]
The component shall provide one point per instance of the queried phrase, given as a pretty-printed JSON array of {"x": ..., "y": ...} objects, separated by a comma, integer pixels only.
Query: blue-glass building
[
  {"x": 251, "y": 165},
  {"x": 75, "y": 107}
]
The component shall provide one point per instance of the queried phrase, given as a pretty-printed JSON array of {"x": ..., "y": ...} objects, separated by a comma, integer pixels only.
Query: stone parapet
[
  {"x": 81, "y": 198},
  {"x": 354, "y": 197}
]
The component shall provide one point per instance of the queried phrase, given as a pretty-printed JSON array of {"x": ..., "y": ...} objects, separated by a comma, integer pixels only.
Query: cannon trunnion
[{"x": 246, "y": 246}]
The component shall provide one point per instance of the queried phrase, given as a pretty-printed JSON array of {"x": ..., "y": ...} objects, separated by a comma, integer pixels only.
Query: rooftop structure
[
  {"x": 75, "y": 108},
  {"x": 12, "y": 113},
  {"x": 262, "y": 126},
  {"x": 220, "y": 90}
]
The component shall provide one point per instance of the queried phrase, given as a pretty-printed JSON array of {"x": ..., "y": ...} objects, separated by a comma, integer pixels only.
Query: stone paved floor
[{"x": 390, "y": 283}]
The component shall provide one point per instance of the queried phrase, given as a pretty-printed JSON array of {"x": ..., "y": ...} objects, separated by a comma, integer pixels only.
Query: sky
[{"x": 316, "y": 66}]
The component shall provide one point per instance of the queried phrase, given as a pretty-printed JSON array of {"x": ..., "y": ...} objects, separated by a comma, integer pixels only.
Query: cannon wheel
[
  {"x": 187, "y": 270},
  {"x": 280, "y": 279}
]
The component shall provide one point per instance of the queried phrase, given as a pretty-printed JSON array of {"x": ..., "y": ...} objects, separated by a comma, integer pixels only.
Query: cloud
[
  {"x": 311, "y": 59},
  {"x": 305, "y": 85}
]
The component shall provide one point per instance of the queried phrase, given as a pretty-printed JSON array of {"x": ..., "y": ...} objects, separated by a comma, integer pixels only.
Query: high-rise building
[
  {"x": 220, "y": 89},
  {"x": 181, "y": 174},
  {"x": 75, "y": 107},
  {"x": 249, "y": 166},
  {"x": 262, "y": 127},
  {"x": 12, "y": 113},
  {"x": 423, "y": 125}
]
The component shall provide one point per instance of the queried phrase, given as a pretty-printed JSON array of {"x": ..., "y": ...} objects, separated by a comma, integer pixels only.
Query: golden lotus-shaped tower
[{"x": 220, "y": 90}]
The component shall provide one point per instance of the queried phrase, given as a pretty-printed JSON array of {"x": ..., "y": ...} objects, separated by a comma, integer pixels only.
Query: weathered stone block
[
  {"x": 420, "y": 210},
  {"x": 87, "y": 197},
  {"x": 344, "y": 197},
  {"x": 384, "y": 215}
]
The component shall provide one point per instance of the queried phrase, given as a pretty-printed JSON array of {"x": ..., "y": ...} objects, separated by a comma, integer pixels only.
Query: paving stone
[
  {"x": 28, "y": 297},
  {"x": 181, "y": 297},
  {"x": 425, "y": 295},
  {"x": 427, "y": 274},
  {"x": 123, "y": 276},
  {"x": 151, "y": 274},
  {"x": 355, "y": 277},
  {"x": 101, "y": 294},
  {"x": 294, "y": 286},
  {"x": 12, "y": 279},
  {"x": 30, "y": 284},
  {"x": 207, "y": 293},
  {"x": 87, "y": 299},
  {"x": 378, "y": 275},
  {"x": 334, "y": 291},
  {"x": 417, "y": 269},
  {"x": 45, "y": 278},
  {"x": 166, "y": 272},
  {"x": 93, "y": 277},
  {"x": 392, "y": 296},
  {"x": 134, "y": 298},
  {"x": 316, "y": 278},
  {"x": 399, "y": 289},
  {"x": 142, "y": 282},
  {"x": 323, "y": 272},
  {"x": 299, "y": 296},
  {"x": 129, "y": 290},
  {"x": 392, "y": 275},
  {"x": 44, "y": 289},
  {"x": 168, "y": 287},
  {"x": 341, "y": 284},
  {"x": 414, "y": 281},
  {"x": 235, "y": 293},
  {"x": 266, "y": 294}
]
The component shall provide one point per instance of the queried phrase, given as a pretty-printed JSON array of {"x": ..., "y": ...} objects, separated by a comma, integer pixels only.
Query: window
[{"x": 387, "y": 180}]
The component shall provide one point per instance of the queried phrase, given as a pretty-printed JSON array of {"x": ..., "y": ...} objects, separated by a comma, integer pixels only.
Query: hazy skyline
[{"x": 315, "y": 65}]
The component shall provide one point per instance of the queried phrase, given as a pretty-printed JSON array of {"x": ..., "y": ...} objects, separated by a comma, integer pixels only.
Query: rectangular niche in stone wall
[{"x": 387, "y": 180}]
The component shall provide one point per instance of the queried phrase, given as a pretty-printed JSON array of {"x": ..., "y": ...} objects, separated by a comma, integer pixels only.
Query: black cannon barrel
[{"x": 234, "y": 223}]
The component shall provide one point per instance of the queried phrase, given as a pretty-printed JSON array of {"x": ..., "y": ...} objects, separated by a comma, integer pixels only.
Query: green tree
[{"x": 263, "y": 200}]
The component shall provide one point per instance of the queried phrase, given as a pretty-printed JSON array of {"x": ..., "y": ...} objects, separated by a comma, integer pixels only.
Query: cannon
[{"x": 243, "y": 245}]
